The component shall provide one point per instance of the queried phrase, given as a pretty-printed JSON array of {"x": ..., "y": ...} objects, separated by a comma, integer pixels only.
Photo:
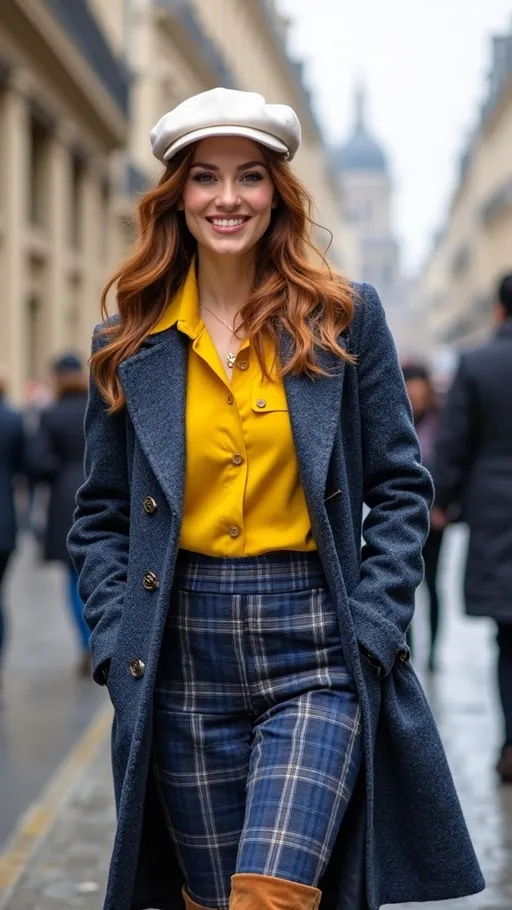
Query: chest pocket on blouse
[{"x": 268, "y": 398}]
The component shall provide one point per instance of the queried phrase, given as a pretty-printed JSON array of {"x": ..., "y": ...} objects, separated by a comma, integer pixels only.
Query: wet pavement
[
  {"x": 45, "y": 705},
  {"x": 69, "y": 867}
]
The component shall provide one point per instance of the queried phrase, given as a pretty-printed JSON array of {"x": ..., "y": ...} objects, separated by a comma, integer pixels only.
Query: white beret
[{"x": 226, "y": 112}]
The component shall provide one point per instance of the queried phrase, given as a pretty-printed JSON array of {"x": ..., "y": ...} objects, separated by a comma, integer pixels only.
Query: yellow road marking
[{"x": 40, "y": 816}]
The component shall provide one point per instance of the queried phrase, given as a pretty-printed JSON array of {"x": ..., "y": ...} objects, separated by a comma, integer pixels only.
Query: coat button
[
  {"x": 150, "y": 505},
  {"x": 237, "y": 459},
  {"x": 229, "y": 398},
  {"x": 261, "y": 403},
  {"x": 242, "y": 364},
  {"x": 137, "y": 667},
  {"x": 150, "y": 581},
  {"x": 234, "y": 532},
  {"x": 404, "y": 655}
]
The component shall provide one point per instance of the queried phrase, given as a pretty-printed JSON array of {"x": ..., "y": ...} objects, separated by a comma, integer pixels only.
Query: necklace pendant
[{"x": 231, "y": 359}]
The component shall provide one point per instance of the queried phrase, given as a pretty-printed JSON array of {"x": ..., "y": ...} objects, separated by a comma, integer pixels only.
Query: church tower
[{"x": 365, "y": 184}]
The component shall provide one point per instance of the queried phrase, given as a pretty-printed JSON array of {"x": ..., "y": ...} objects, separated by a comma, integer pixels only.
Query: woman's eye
[
  {"x": 254, "y": 177},
  {"x": 203, "y": 178}
]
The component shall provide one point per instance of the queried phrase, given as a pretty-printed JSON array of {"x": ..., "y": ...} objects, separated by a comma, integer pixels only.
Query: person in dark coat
[
  {"x": 271, "y": 746},
  {"x": 425, "y": 411},
  {"x": 56, "y": 458},
  {"x": 11, "y": 464},
  {"x": 473, "y": 466}
]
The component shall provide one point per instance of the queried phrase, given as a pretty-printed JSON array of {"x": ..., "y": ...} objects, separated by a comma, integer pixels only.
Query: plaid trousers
[{"x": 257, "y": 731}]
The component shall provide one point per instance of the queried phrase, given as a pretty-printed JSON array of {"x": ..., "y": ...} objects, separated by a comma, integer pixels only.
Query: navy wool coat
[{"x": 404, "y": 837}]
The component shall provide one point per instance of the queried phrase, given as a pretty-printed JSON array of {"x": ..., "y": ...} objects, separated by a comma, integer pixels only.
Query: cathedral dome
[{"x": 361, "y": 152}]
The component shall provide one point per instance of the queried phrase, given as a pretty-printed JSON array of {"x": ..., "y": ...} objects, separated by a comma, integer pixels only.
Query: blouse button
[
  {"x": 237, "y": 459},
  {"x": 261, "y": 403},
  {"x": 234, "y": 532}
]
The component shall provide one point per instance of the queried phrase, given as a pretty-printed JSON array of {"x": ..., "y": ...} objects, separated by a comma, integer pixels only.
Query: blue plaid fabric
[{"x": 257, "y": 732}]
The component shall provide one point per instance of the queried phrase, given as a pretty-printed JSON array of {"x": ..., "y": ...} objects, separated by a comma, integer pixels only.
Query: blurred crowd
[
  {"x": 465, "y": 435},
  {"x": 41, "y": 468}
]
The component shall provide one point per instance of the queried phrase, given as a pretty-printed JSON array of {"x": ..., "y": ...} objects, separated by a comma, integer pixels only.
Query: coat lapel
[
  {"x": 315, "y": 407},
  {"x": 154, "y": 382}
]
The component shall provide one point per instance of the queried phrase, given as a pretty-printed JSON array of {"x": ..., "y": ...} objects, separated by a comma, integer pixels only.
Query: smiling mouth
[{"x": 228, "y": 224}]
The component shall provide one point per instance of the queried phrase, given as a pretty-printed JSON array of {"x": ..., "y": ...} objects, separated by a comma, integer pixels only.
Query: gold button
[
  {"x": 137, "y": 667},
  {"x": 150, "y": 581},
  {"x": 237, "y": 459},
  {"x": 234, "y": 532},
  {"x": 150, "y": 505},
  {"x": 242, "y": 364},
  {"x": 261, "y": 403},
  {"x": 229, "y": 398}
]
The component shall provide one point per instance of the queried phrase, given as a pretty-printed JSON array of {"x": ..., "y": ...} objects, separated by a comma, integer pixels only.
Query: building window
[
  {"x": 73, "y": 313},
  {"x": 38, "y": 175},
  {"x": 34, "y": 337},
  {"x": 77, "y": 202}
]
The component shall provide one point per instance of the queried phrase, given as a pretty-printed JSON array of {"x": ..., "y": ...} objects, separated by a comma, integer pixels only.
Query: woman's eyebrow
[{"x": 241, "y": 167}]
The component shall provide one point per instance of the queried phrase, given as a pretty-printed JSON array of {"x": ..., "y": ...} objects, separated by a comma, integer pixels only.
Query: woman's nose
[{"x": 228, "y": 195}]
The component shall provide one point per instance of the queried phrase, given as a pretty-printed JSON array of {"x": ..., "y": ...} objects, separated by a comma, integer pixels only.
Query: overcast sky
[{"x": 425, "y": 65}]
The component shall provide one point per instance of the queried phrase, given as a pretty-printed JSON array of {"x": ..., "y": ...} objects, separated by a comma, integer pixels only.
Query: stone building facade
[
  {"x": 63, "y": 112},
  {"x": 474, "y": 248}
]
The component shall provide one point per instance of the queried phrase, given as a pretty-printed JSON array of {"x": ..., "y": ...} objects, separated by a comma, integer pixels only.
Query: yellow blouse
[{"x": 243, "y": 495}]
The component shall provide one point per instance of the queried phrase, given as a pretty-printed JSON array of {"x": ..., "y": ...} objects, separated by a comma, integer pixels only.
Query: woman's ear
[
  {"x": 180, "y": 206},
  {"x": 275, "y": 201}
]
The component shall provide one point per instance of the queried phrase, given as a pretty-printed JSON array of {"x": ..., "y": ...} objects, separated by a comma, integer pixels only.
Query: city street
[
  {"x": 45, "y": 705},
  {"x": 47, "y": 708}
]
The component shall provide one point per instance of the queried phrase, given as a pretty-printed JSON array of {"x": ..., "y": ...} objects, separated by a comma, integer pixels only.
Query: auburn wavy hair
[{"x": 294, "y": 286}]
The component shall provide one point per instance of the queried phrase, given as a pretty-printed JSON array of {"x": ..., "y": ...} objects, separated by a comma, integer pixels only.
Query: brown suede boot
[
  {"x": 250, "y": 891},
  {"x": 189, "y": 903}
]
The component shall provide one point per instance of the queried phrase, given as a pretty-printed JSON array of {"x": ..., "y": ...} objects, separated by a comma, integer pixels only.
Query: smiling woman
[{"x": 271, "y": 742}]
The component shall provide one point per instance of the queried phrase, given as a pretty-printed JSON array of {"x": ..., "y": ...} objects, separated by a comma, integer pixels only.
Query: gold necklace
[{"x": 230, "y": 357}]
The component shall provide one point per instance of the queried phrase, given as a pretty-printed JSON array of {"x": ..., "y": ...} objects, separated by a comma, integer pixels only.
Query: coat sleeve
[
  {"x": 397, "y": 490},
  {"x": 456, "y": 440},
  {"x": 99, "y": 539}
]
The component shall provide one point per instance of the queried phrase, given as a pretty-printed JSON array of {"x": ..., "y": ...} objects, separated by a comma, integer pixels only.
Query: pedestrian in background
[
  {"x": 56, "y": 458},
  {"x": 11, "y": 464},
  {"x": 243, "y": 406},
  {"x": 425, "y": 410},
  {"x": 473, "y": 467},
  {"x": 37, "y": 397}
]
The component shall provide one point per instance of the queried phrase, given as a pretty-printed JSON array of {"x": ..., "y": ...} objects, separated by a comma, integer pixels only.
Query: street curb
[{"x": 40, "y": 817}]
